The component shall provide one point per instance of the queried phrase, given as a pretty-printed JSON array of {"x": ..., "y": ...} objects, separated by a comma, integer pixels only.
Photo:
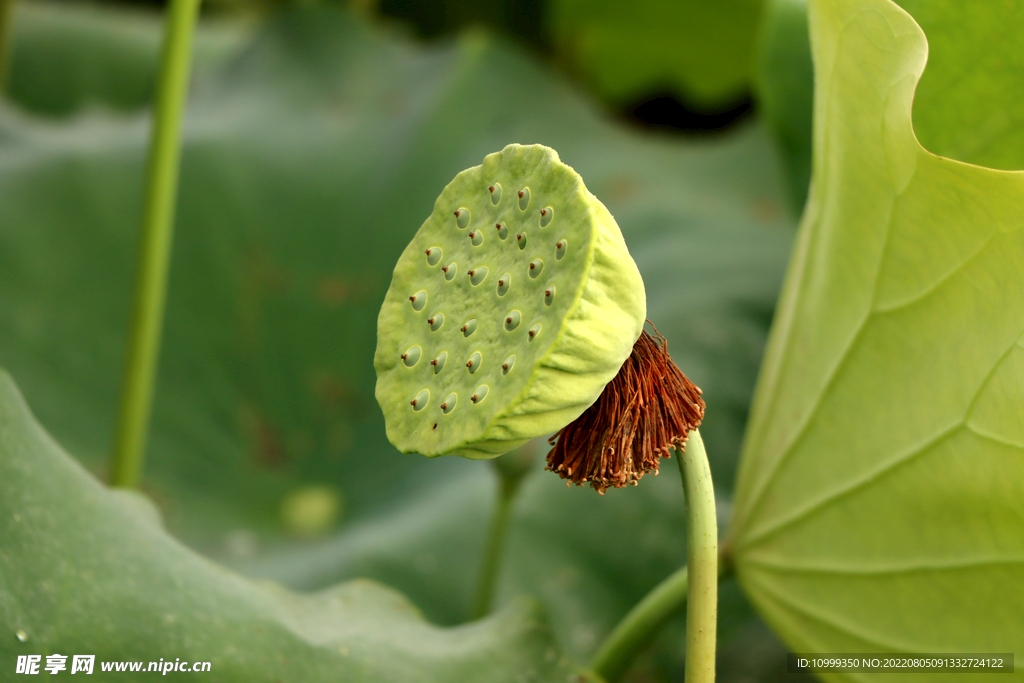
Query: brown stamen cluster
[{"x": 648, "y": 408}]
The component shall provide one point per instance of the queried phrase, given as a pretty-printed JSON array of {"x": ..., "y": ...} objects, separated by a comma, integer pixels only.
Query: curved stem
[
  {"x": 635, "y": 632},
  {"x": 508, "y": 486},
  {"x": 155, "y": 247}
]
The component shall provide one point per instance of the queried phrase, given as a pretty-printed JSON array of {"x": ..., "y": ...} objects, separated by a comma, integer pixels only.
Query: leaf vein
[
  {"x": 882, "y": 570},
  {"x": 938, "y": 283},
  {"x": 866, "y": 480}
]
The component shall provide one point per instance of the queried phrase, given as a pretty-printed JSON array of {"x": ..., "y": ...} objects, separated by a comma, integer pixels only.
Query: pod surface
[{"x": 569, "y": 306}]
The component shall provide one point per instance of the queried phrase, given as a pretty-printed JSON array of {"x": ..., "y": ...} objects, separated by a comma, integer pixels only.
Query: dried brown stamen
[{"x": 648, "y": 408}]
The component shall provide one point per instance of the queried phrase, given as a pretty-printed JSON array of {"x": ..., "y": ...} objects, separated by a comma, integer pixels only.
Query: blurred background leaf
[
  {"x": 70, "y": 56},
  {"x": 700, "y": 52},
  {"x": 785, "y": 90},
  {"x": 969, "y": 104},
  {"x": 312, "y": 153},
  {"x": 89, "y": 569}
]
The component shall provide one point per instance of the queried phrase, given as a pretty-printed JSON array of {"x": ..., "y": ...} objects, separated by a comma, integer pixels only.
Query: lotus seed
[
  {"x": 560, "y": 249},
  {"x": 549, "y": 295},
  {"x": 503, "y": 284},
  {"x": 434, "y": 255},
  {"x": 419, "y": 300},
  {"x": 412, "y": 356},
  {"x": 474, "y": 362},
  {"x": 438, "y": 362},
  {"x": 449, "y": 271},
  {"x": 421, "y": 400},
  {"x": 469, "y": 328},
  {"x": 502, "y": 231},
  {"x": 507, "y": 366},
  {"x": 521, "y": 240},
  {"x": 449, "y": 403},
  {"x": 524, "y": 198},
  {"x": 534, "y": 331},
  {"x": 436, "y": 321},
  {"x": 462, "y": 218},
  {"x": 480, "y": 393},
  {"x": 477, "y": 275},
  {"x": 512, "y": 320},
  {"x": 536, "y": 266},
  {"x": 495, "y": 191},
  {"x": 477, "y": 237},
  {"x": 546, "y": 214}
]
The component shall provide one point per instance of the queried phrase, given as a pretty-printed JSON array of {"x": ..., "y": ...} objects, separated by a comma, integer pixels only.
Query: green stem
[
  {"x": 635, "y": 632},
  {"x": 508, "y": 486},
  {"x": 155, "y": 247},
  {"x": 644, "y": 621},
  {"x": 6, "y": 40},
  {"x": 702, "y": 561}
]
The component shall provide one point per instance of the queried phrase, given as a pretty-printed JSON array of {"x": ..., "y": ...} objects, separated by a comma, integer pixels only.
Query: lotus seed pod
[{"x": 538, "y": 326}]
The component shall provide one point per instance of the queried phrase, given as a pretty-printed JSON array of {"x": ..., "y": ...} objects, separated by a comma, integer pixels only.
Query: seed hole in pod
[
  {"x": 524, "y": 198},
  {"x": 560, "y": 249},
  {"x": 438, "y": 363},
  {"x": 434, "y": 256},
  {"x": 480, "y": 394},
  {"x": 503, "y": 283},
  {"x": 534, "y": 331},
  {"x": 469, "y": 328},
  {"x": 502, "y": 230},
  {"x": 549, "y": 295},
  {"x": 449, "y": 271},
  {"x": 435, "y": 321},
  {"x": 536, "y": 265},
  {"x": 477, "y": 275},
  {"x": 546, "y": 214},
  {"x": 418, "y": 300},
  {"x": 521, "y": 240},
  {"x": 507, "y": 366},
  {"x": 412, "y": 356},
  {"x": 462, "y": 218},
  {"x": 477, "y": 237},
  {"x": 512, "y": 320},
  {"x": 473, "y": 364},
  {"x": 421, "y": 400},
  {"x": 495, "y": 191},
  {"x": 449, "y": 403}
]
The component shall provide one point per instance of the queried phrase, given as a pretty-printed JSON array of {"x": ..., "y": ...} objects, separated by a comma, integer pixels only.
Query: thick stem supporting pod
[{"x": 513, "y": 306}]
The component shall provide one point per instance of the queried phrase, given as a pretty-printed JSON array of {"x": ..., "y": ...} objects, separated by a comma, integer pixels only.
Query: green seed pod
[{"x": 532, "y": 330}]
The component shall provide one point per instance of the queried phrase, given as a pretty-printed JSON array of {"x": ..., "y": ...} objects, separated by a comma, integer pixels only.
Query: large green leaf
[
  {"x": 308, "y": 164},
  {"x": 879, "y": 506},
  {"x": 87, "y": 571},
  {"x": 702, "y": 51}
]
